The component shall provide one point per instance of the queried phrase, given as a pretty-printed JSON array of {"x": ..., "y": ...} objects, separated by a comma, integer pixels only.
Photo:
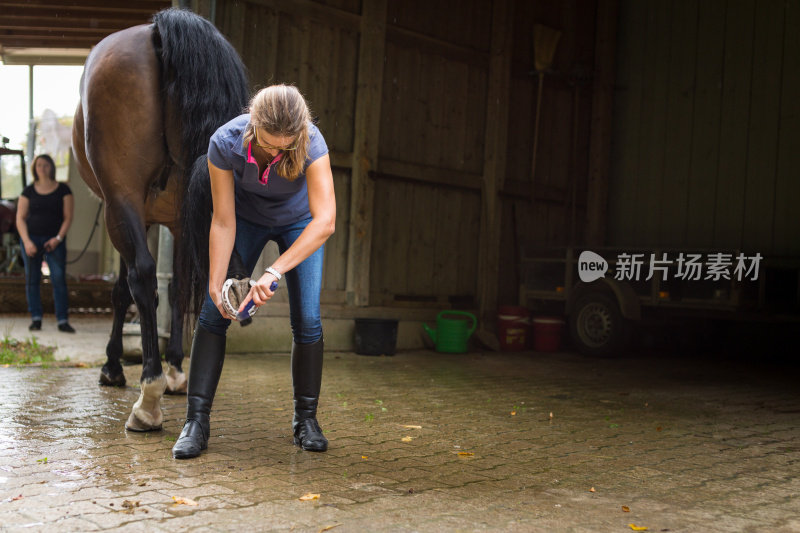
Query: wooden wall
[
  {"x": 707, "y": 125},
  {"x": 277, "y": 45},
  {"x": 548, "y": 208},
  {"x": 434, "y": 142}
]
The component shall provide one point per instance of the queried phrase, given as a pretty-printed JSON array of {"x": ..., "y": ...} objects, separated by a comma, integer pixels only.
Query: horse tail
[
  {"x": 205, "y": 85},
  {"x": 196, "y": 211},
  {"x": 204, "y": 81}
]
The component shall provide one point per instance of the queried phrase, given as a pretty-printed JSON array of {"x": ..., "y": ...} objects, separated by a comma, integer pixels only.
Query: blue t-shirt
[{"x": 278, "y": 203}]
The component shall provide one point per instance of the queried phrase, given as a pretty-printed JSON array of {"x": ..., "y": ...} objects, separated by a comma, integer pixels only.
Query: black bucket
[{"x": 376, "y": 336}]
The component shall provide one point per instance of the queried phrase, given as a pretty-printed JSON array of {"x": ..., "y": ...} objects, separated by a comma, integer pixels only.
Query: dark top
[
  {"x": 271, "y": 200},
  {"x": 46, "y": 212}
]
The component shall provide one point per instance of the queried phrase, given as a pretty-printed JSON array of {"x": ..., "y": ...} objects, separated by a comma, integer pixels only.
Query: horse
[{"x": 151, "y": 96}]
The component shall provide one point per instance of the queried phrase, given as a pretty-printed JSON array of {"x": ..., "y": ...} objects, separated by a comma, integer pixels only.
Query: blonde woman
[{"x": 271, "y": 180}]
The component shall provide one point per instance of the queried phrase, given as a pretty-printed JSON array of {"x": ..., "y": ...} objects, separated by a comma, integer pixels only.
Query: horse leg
[
  {"x": 176, "y": 379},
  {"x": 127, "y": 231},
  {"x": 111, "y": 374}
]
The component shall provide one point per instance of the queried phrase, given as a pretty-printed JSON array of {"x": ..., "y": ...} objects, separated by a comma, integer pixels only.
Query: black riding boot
[
  {"x": 307, "y": 379},
  {"x": 208, "y": 354}
]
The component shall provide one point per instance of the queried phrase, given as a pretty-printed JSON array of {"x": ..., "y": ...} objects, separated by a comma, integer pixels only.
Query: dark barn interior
[{"x": 474, "y": 141}]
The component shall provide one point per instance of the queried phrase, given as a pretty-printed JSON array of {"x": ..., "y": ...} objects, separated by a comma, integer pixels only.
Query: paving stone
[{"x": 687, "y": 447}]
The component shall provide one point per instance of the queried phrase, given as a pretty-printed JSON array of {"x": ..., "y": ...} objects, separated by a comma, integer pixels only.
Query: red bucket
[
  {"x": 547, "y": 332},
  {"x": 513, "y": 327}
]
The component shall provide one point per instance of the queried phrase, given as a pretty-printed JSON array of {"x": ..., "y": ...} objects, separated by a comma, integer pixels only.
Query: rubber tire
[{"x": 597, "y": 327}]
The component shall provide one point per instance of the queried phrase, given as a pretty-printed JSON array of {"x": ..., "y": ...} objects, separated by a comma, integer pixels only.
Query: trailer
[{"x": 605, "y": 293}]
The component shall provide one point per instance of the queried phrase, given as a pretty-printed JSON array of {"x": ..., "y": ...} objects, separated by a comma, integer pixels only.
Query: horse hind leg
[
  {"x": 127, "y": 231},
  {"x": 111, "y": 374},
  {"x": 176, "y": 378},
  {"x": 146, "y": 414}
]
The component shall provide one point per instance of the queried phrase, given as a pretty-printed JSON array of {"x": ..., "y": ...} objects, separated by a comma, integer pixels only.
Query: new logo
[{"x": 591, "y": 266}]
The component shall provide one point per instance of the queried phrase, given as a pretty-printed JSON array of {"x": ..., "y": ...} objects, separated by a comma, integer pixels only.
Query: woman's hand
[
  {"x": 216, "y": 297},
  {"x": 30, "y": 248},
  {"x": 260, "y": 293},
  {"x": 51, "y": 244}
]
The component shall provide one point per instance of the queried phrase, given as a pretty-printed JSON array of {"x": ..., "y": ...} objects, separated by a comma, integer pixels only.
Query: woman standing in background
[{"x": 44, "y": 214}]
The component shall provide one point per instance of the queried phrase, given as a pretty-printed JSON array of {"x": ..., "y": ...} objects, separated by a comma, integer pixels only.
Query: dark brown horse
[{"x": 151, "y": 97}]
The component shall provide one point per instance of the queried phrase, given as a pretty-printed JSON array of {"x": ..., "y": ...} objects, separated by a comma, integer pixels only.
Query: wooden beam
[
  {"x": 61, "y": 17},
  {"x": 365, "y": 148},
  {"x": 602, "y": 108},
  {"x": 494, "y": 163},
  {"x": 411, "y": 39},
  {"x": 343, "y": 160},
  {"x": 316, "y": 12},
  {"x": 426, "y": 174},
  {"x": 120, "y": 6},
  {"x": 52, "y": 41},
  {"x": 32, "y": 24}
]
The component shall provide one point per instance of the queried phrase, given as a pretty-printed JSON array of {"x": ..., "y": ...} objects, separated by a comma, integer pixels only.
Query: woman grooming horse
[{"x": 271, "y": 180}]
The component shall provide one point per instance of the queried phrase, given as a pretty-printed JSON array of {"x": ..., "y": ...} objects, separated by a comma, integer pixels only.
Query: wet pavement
[{"x": 418, "y": 442}]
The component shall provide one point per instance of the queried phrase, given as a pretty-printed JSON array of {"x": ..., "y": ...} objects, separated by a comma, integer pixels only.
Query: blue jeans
[
  {"x": 304, "y": 282},
  {"x": 57, "y": 261}
]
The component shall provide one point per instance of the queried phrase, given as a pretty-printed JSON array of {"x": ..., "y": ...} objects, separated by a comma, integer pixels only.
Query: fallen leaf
[
  {"x": 513, "y": 413},
  {"x": 43, "y": 461},
  {"x": 81, "y": 365},
  {"x": 551, "y": 415},
  {"x": 308, "y": 496},
  {"x": 326, "y": 528},
  {"x": 626, "y": 509},
  {"x": 466, "y": 454},
  {"x": 592, "y": 490},
  {"x": 143, "y": 483},
  {"x": 184, "y": 501},
  {"x": 412, "y": 427},
  {"x": 637, "y": 528},
  {"x": 407, "y": 439},
  {"x": 364, "y": 457},
  {"x": 658, "y": 428}
]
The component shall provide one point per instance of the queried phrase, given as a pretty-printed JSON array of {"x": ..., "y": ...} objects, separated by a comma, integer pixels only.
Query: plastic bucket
[
  {"x": 376, "y": 336},
  {"x": 513, "y": 328},
  {"x": 547, "y": 332}
]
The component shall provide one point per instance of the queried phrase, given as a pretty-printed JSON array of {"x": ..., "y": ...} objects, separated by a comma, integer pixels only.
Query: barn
[{"x": 470, "y": 140}]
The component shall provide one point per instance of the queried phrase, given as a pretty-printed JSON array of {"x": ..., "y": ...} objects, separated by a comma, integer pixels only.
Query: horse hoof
[
  {"x": 108, "y": 380},
  {"x": 134, "y": 424},
  {"x": 176, "y": 381},
  {"x": 146, "y": 414}
]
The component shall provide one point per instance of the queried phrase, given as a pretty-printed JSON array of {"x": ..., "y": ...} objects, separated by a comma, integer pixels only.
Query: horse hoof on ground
[
  {"x": 146, "y": 414},
  {"x": 176, "y": 381},
  {"x": 108, "y": 380}
]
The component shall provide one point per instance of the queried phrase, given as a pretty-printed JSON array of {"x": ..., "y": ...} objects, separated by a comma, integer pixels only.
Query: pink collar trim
[{"x": 250, "y": 159}]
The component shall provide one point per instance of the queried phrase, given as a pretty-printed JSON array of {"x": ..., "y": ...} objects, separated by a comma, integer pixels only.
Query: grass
[{"x": 16, "y": 352}]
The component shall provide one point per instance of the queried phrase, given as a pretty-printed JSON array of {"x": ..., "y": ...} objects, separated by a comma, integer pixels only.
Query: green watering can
[{"x": 451, "y": 335}]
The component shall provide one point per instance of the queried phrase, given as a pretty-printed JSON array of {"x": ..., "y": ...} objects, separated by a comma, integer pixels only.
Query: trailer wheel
[{"x": 597, "y": 326}]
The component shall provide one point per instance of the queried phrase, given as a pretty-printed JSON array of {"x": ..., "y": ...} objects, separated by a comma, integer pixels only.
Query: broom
[{"x": 545, "y": 41}]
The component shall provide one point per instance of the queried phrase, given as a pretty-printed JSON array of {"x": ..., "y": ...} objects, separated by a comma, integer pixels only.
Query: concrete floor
[{"x": 418, "y": 442}]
